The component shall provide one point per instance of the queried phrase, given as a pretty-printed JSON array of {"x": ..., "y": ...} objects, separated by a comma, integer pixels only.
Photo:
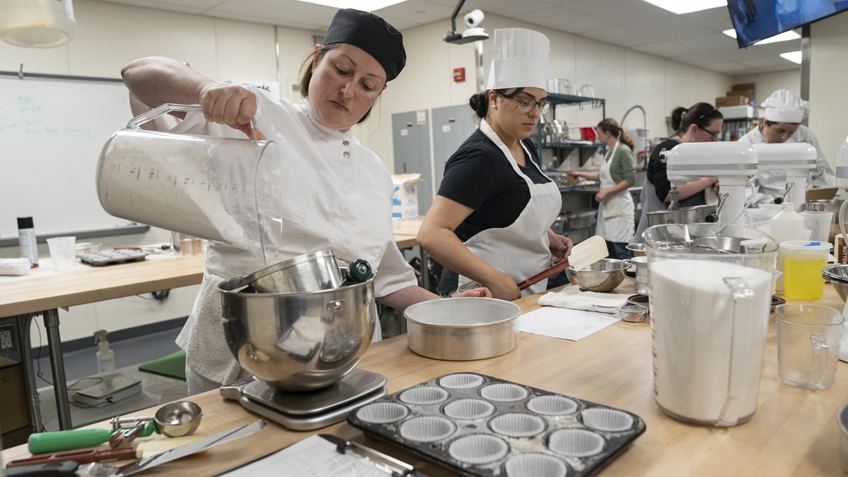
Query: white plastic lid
[{"x": 805, "y": 247}]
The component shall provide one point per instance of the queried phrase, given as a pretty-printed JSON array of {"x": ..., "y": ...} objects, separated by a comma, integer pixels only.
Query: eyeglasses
[
  {"x": 713, "y": 135},
  {"x": 527, "y": 104}
]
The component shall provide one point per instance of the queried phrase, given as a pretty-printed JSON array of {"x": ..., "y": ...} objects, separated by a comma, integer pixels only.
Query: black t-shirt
[
  {"x": 478, "y": 176},
  {"x": 657, "y": 176}
]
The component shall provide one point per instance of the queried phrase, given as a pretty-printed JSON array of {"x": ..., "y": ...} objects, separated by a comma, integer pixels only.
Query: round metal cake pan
[{"x": 462, "y": 329}]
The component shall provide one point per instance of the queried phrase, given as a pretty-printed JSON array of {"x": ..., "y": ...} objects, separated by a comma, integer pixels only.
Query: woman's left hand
[
  {"x": 476, "y": 293},
  {"x": 560, "y": 247},
  {"x": 600, "y": 195}
]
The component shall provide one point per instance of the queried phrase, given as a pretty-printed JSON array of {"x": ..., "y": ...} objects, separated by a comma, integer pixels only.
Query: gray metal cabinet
[
  {"x": 411, "y": 144},
  {"x": 451, "y": 127}
]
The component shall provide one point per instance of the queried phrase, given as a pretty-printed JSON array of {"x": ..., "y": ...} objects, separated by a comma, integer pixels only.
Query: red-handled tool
[
  {"x": 548, "y": 272},
  {"x": 81, "y": 457}
]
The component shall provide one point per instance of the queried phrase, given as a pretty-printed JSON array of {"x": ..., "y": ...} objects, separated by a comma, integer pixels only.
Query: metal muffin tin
[{"x": 510, "y": 430}]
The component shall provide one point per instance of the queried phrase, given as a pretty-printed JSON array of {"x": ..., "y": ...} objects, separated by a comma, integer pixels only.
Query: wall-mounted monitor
[{"x": 755, "y": 20}]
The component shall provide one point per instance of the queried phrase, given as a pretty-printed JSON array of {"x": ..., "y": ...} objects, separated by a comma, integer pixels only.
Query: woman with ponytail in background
[
  {"x": 490, "y": 222},
  {"x": 617, "y": 174},
  {"x": 700, "y": 123}
]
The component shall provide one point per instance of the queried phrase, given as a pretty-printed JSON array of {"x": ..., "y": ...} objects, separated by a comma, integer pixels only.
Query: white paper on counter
[
  {"x": 311, "y": 457},
  {"x": 564, "y": 323}
]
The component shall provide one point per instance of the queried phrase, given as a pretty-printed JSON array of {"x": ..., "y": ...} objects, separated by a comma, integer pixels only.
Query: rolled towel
[
  {"x": 571, "y": 297},
  {"x": 14, "y": 266}
]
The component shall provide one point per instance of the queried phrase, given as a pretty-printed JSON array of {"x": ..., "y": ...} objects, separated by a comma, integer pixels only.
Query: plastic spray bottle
[
  {"x": 786, "y": 225},
  {"x": 105, "y": 357}
]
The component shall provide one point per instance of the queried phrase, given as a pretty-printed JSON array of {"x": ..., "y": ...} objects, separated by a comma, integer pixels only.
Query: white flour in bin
[{"x": 691, "y": 315}]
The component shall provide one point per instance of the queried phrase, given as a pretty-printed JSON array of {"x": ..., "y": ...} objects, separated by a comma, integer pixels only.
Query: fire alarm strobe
[{"x": 459, "y": 74}]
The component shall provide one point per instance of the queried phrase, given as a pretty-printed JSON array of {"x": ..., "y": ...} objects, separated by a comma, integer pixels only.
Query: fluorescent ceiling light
[
  {"x": 785, "y": 36},
  {"x": 793, "y": 56},
  {"x": 364, "y": 5},
  {"x": 687, "y": 6}
]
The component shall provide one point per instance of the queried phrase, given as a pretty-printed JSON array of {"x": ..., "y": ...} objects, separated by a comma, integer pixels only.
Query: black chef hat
[{"x": 371, "y": 33}]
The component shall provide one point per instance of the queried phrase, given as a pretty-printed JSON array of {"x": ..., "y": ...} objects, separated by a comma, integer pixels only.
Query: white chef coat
[
  {"x": 337, "y": 195},
  {"x": 773, "y": 183}
]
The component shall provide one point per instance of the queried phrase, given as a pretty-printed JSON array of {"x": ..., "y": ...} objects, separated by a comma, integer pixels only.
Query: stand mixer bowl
[{"x": 298, "y": 341}]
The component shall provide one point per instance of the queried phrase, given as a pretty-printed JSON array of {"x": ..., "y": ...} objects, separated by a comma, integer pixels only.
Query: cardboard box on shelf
[
  {"x": 749, "y": 93},
  {"x": 825, "y": 193},
  {"x": 743, "y": 86},
  {"x": 14, "y": 413},
  {"x": 840, "y": 250},
  {"x": 405, "y": 195},
  {"x": 731, "y": 101}
]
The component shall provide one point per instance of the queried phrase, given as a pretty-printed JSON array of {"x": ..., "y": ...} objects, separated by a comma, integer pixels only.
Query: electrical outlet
[{"x": 8, "y": 343}]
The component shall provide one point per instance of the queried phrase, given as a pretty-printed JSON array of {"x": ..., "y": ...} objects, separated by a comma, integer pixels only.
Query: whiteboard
[{"x": 51, "y": 134}]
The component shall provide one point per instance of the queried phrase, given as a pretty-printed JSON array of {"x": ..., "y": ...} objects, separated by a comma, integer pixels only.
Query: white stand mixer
[
  {"x": 796, "y": 159},
  {"x": 731, "y": 162}
]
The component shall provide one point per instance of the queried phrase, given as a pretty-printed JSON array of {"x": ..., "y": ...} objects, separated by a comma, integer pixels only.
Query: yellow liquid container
[
  {"x": 802, "y": 265},
  {"x": 803, "y": 278}
]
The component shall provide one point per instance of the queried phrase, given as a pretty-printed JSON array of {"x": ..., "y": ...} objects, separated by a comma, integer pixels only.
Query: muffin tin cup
[
  {"x": 427, "y": 429},
  {"x": 576, "y": 443},
  {"x": 469, "y": 409},
  {"x": 382, "y": 412},
  {"x": 604, "y": 419},
  {"x": 482, "y": 426},
  {"x": 461, "y": 381},
  {"x": 424, "y": 395},
  {"x": 503, "y": 392},
  {"x": 552, "y": 405},
  {"x": 517, "y": 425},
  {"x": 535, "y": 465},
  {"x": 478, "y": 449}
]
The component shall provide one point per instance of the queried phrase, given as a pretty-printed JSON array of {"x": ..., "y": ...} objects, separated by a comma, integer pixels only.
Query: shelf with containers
[
  {"x": 557, "y": 99},
  {"x": 732, "y": 127}
]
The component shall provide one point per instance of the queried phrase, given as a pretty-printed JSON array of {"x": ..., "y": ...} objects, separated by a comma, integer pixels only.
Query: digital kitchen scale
[{"x": 307, "y": 411}]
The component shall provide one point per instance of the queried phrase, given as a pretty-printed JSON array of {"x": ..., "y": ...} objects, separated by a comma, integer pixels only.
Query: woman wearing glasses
[
  {"x": 490, "y": 222},
  {"x": 617, "y": 174},
  {"x": 700, "y": 123}
]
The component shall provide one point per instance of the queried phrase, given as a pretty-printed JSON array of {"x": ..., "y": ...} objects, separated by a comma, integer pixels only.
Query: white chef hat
[
  {"x": 520, "y": 59},
  {"x": 783, "y": 106}
]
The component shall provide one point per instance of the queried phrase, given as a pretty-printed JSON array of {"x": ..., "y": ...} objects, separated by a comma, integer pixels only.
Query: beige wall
[
  {"x": 828, "y": 71},
  {"x": 108, "y": 37},
  {"x": 768, "y": 83},
  {"x": 623, "y": 77}
]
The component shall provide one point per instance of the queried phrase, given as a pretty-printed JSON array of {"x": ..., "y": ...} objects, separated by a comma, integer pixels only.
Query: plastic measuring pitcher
[
  {"x": 710, "y": 297},
  {"x": 221, "y": 189}
]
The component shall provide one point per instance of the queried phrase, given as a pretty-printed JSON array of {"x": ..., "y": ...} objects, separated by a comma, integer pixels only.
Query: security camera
[
  {"x": 474, "y": 19},
  {"x": 473, "y": 30}
]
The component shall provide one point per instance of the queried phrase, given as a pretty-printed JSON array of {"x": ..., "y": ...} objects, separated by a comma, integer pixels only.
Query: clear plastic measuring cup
[
  {"x": 808, "y": 338},
  {"x": 221, "y": 189}
]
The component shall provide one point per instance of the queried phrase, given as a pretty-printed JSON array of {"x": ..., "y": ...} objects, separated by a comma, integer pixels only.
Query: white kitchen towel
[
  {"x": 571, "y": 297},
  {"x": 14, "y": 266}
]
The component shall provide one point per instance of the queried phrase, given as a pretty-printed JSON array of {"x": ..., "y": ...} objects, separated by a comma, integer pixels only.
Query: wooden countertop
[{"x": 793, "y": 432}]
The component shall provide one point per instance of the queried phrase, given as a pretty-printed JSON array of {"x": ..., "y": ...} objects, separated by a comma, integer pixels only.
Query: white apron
[
  {"x": 615, "y": 218},
  {"x": 522, "y": 249}
]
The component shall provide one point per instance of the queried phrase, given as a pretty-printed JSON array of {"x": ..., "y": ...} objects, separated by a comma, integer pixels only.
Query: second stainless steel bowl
[
  {"x": 305, "y": 273},
  {"x": 602, "y": 276}
]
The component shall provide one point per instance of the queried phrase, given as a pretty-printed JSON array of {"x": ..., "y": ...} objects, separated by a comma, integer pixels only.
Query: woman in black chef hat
[{"x": 337, "y": 193}]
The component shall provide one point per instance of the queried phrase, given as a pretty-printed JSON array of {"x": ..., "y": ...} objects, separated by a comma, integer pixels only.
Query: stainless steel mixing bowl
[
  {"x": 304, "y": 273},
  {"x": 298, "y": 341},
  {"x": 602, "y": 276},
  {"x": 838, "y": 276}
]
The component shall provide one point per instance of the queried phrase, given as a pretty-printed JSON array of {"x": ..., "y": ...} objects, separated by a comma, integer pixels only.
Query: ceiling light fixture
[
  {"x": 785, "y": 36},
  {"x": 37, "y": 23},
  {"x": 793, "y": 56},
  {"x": 681, "y": 7},
  {"x": 364, "y": 5}
]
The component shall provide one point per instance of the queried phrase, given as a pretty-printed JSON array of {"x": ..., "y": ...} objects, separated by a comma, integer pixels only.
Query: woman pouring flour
[
  {"x": 490, "y": 222},
  {"x": 337, "y": 194}
]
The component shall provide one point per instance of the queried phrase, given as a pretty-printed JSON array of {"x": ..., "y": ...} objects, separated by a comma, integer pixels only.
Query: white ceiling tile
[
  {"x": 418, "y": 12},
  {"x": 620, "y": 12},
  {"x": 163, "y": 5},
  {"x": 791, "y": 66},
  {"x": 716, "y": 19},
  {"x": 767, "y": 62},
  {"x": 622, "y": 36},
  {"x": 283, "y": 11},
  {"x": 565, "y": 20},
  {"x": 403, "y": 24},
  {"x": 730, "y": 67},
  {"x": 663, "y": 48},
  {"x": 705, "y": 60},
  {"x": 707, "y": 43},
  {"x": 267, "y": 20},
  {"x": 670, "y": 30}
]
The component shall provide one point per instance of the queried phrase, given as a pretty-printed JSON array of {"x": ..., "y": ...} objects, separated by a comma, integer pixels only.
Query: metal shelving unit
[{"x": 557, "y": 99}]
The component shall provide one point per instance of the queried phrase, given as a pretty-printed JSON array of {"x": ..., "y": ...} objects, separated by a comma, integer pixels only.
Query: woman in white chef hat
[
  {"x": 337, "y": 192},
  {"x": 782, "y": 116},
  {"x": 490, "y": 222}
]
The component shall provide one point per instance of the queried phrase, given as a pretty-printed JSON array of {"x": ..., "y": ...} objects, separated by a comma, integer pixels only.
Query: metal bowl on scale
[
  {"x": 602, "y": 276},
  {"x": 298, "y": 341}
]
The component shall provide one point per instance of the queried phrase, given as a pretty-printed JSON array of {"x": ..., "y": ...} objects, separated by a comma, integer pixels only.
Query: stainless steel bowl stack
[
  {"x": 838, "y": 276},
  {"x": 299, "y": 341}
]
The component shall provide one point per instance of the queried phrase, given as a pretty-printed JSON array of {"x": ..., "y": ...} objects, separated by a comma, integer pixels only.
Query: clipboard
[{"x": 307, "y": 456}]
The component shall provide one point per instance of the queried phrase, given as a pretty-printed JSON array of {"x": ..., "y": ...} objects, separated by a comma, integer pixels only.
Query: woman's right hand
[
  {"x": 231, "y": 105},
  {"x": 503, "y": 287},
  {"x": 574, "y": 173}
]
